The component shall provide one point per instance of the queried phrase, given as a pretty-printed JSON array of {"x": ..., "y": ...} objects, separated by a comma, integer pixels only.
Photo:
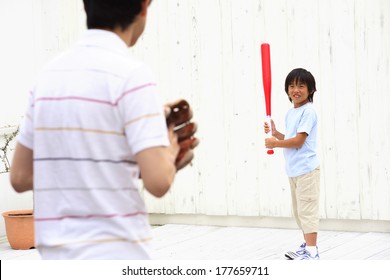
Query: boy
[
  {"x": 302, "y": 164},
  {"x": 95, "y": 123}
]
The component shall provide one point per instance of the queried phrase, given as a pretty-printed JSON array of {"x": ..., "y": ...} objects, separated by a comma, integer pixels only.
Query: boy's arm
[
  {"x": 295, "y": 142},
  {"x": 278, "y": 135},
  {"x": 22, "y": 169},
  {"x": 275, "y": 133}
]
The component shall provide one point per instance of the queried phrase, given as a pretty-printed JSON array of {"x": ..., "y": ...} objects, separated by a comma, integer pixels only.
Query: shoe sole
[{"x": 291, "y": 255}]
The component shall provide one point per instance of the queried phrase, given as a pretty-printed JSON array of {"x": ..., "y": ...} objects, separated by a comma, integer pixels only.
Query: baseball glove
[{"x": 180, "y": 116}]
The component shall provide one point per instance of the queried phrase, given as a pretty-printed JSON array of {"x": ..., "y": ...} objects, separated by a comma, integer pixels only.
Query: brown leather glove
[{"x": 179, "y": 114}]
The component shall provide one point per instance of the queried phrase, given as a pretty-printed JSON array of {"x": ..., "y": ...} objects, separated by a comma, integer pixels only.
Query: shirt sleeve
[
  {"x": 142, "y": 111},
  {"x": 26, "y": 129},
  {"x": 307, "y": 121}
]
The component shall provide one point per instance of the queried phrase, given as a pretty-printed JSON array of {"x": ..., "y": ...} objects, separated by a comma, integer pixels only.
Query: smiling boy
[{"x": 302, "y": 164}]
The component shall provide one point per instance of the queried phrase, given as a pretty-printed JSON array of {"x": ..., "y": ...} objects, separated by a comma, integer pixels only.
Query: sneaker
[
  {"x": 292, "y": 255},
  {"x": 308, "y": 256}
]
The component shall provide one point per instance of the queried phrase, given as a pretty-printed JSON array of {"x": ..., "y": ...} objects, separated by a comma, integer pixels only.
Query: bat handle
[{"x": 269, "y": 134}]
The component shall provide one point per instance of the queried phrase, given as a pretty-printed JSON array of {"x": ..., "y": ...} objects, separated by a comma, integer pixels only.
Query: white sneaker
[
  {"x": 308, "y": 256},
  {"x": 292, "y": 255}
]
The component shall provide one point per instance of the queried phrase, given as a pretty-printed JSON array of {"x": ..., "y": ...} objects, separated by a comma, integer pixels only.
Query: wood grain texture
[
  {"x": 190, "y": 242},
  {"x": 345, "y": 44}
]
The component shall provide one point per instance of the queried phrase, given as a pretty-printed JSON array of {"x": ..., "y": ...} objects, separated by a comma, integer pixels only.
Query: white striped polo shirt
[{"x": 90, "y": 111}]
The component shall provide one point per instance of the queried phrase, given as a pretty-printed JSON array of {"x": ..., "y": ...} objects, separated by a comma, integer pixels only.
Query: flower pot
[{"x": 19, "y": 226}]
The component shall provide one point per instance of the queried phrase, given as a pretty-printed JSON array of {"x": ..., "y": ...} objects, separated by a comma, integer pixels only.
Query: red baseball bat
[{"x": 266, "y": 67}]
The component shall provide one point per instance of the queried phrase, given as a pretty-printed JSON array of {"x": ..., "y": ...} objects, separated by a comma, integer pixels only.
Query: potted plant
[{"x": 19, "y": 224}]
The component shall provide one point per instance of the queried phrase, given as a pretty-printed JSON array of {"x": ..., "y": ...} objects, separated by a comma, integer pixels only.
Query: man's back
[{"x": 91, "y": 111}]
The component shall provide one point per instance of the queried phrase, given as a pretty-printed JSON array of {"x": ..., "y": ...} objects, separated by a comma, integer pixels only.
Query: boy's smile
[{"x": 299, "y": 94}]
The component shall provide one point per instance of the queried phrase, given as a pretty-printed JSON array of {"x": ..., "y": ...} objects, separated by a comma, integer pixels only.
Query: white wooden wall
[
  {"x": 32, "y": 33},
  {"x": 208, "y": 53}
]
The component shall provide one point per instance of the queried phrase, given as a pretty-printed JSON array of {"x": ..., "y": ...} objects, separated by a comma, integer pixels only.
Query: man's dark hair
[
  {"x": 300, "y": 75},
  {"x": 109, "y": 14}
]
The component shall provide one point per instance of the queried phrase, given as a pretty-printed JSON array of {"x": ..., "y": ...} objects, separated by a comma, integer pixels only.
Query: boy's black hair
[
  {"x": 300, "y": 75},
  {"x": 109, "y": 14}
]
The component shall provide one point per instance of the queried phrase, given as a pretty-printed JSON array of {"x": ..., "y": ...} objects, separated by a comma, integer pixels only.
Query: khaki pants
[{"x": 305, "y": 193}]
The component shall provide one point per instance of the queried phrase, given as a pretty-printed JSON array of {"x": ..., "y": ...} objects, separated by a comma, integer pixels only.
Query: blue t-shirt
[{"x": 303, "y": 160}]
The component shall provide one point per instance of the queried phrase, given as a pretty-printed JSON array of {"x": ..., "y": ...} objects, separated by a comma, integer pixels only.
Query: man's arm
[
  {"x": 22, "y": 169},
  {"x": 157, "y": 166}
]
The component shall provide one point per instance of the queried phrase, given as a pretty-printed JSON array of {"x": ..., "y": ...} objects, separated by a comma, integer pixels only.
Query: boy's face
[{"x": 299, "y": 93}]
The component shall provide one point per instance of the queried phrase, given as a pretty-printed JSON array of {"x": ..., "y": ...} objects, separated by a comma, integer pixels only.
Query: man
[{"x": 94, "y": 125}]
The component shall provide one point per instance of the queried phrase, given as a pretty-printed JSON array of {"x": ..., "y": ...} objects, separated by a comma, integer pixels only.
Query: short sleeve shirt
[
  {"x": 302, "y": 160},
  {"x": 90, "y": 112}
]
